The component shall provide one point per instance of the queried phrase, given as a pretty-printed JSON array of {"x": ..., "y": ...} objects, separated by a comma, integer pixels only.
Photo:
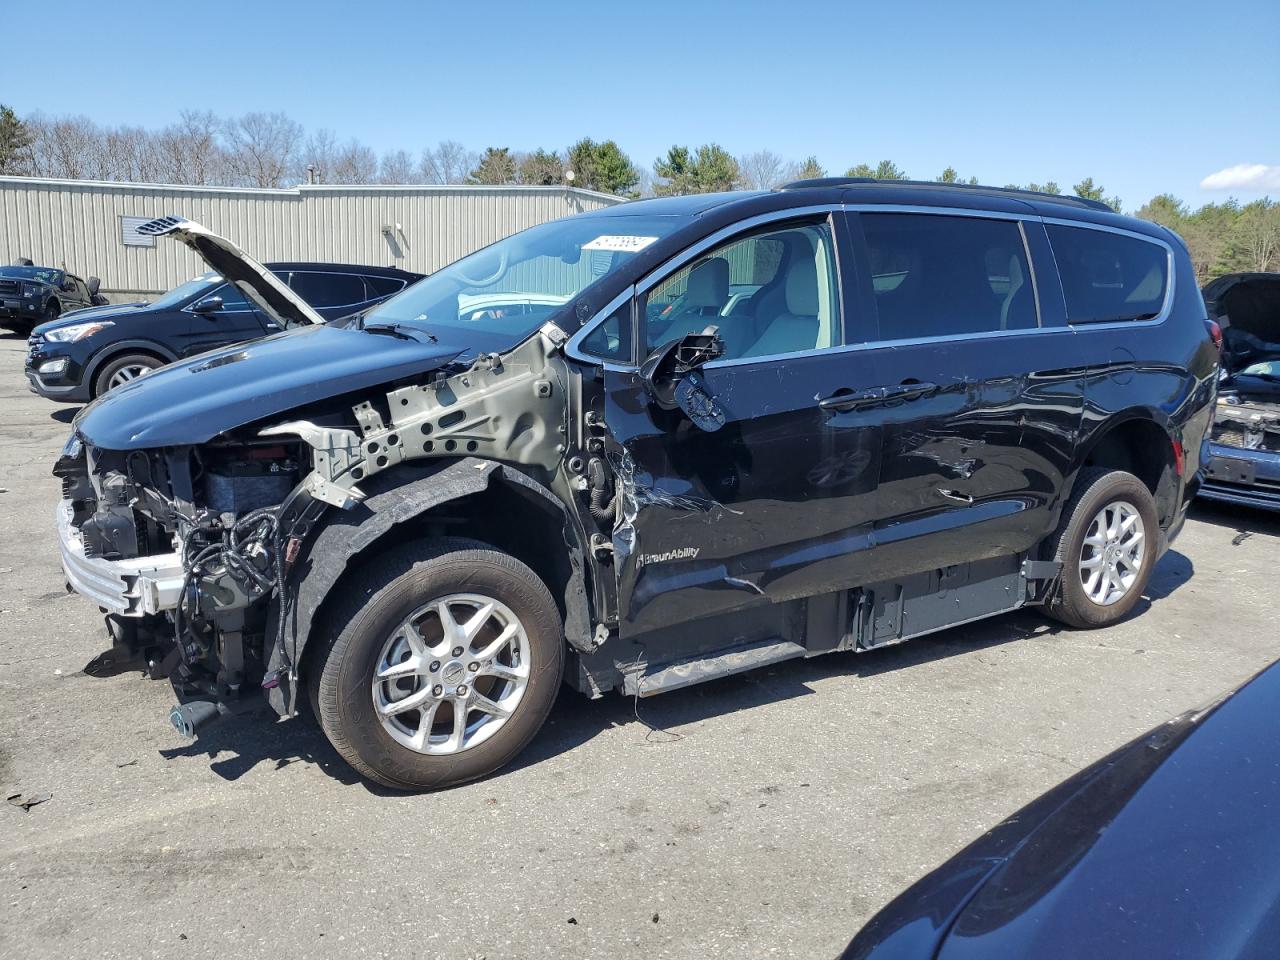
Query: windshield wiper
[
  {"x": 1123, "y": 318},
  {"x": 401, "y": 330}
]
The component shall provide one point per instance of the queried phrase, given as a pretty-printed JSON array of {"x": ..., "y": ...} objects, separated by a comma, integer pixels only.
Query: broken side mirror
[
  {"x": 208, "y": 305},
  {"x": 671, "y": 375}
]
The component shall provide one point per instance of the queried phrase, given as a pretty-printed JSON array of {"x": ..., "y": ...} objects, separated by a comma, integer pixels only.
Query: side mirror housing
[
  {"x": 671, "y": 375},
  {"x": 208, "y": 305},
  {"x": 94, "y": 284},
  {"x": 68, "y": 286}
]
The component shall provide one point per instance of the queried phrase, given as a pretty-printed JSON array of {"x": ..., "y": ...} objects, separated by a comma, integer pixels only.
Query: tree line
[{"x": 272, "y": 150}]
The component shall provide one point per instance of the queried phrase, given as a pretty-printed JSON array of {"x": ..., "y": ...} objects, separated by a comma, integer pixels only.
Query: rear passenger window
[
  {"x": 328, "y": 289},
  {"x": 1109, "y": 276},
  {"x": 768, "y": 293},
  {"x": 379, "y": 287},
  {"x": 942, "y": 275}
]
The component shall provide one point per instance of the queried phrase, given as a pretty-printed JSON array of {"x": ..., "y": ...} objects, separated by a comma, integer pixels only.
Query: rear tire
[
  {"x": 122, "y": 369},
  {"x": 364, "y": 635},
  {"x": 1106, "y": 543}
]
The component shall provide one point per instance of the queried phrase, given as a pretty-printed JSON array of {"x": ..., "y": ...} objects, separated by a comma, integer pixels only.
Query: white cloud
[{"x": 1243, "y": 176}]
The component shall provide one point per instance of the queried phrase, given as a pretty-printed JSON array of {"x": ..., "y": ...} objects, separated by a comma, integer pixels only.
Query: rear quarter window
[{"x": 1109, "y": 277}]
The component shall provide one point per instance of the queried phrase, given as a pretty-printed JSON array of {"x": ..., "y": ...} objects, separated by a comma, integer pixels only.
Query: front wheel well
[
  {"x": 115, "y": 354},
  {"x": 508, "y": 517}
]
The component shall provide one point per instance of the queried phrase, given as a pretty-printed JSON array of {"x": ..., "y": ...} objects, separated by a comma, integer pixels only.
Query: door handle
[{"x": 876, "y": 396}]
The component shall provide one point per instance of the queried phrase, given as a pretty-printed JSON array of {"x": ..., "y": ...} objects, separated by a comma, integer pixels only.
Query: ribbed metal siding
[{"x": 77, "y": 222}]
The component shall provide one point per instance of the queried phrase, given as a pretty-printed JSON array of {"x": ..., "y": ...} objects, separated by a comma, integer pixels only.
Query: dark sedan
[
  {"x": 92, "y": 351},
  {"x": 1169, "y": 848}
]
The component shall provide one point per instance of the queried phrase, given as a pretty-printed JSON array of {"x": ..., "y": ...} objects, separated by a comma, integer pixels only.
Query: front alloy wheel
[
  {"x": 435, "y": 663},
  {"x": 452, "y": 674}
]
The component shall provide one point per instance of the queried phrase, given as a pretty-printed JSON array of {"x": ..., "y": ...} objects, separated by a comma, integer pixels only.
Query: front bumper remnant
[{"x": 136, "y": 587}]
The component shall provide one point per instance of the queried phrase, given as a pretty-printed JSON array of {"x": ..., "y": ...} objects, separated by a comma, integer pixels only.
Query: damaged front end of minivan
[
  {"x": 1244, "y": 467},
  {"x": 209, "y": 510}
]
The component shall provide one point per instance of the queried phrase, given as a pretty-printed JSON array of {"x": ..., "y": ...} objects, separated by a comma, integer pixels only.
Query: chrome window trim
[
  {"x": 676, "y": 262},
  {"x": 939, "y": 211}
]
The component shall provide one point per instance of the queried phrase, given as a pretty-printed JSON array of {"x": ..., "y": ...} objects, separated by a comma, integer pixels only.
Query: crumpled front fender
[{"x": 342, "y": 535}]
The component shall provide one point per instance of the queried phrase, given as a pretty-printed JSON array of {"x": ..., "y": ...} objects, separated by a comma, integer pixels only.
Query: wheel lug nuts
[
  {"x": 462, "y": 690},
  {"x": 457, "y": 651},
  {"x": 474, "y": 666},
  {"x": 435, "y": 665},
  {"x": 437, "y": 690}
]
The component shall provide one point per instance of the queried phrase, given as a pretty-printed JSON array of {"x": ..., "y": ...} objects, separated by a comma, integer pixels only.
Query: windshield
[
  {"x": 43, "y": 274},
  {"x": 180, "y": 294},
  {"x": 510, "y": 288}
]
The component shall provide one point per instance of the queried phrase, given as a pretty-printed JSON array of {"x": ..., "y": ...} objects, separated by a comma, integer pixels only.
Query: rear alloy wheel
[
  {"x": 440, "y": 663},
  {"x": 122, "y": 370},
  {"x": 1106, "y": 543}
]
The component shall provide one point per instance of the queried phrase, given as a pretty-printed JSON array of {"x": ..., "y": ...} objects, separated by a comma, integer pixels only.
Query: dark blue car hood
[
  {"x": 1169, "y": 847},
  {"x": 194, "y": 400}
]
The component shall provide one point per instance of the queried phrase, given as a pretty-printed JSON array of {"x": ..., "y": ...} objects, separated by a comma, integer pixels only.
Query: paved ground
[{"x": 785, "y": 807}]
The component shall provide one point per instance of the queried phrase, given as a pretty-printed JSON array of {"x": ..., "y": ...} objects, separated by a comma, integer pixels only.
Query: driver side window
[{"x": 769, "y": 293}]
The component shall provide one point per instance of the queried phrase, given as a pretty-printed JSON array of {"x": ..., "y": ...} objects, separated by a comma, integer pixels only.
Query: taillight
[
  {"x": 1215, "y": 334},
  {"x": 1179, "y": 457}
]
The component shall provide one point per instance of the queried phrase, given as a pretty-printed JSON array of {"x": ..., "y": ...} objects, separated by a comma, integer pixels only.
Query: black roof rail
[
  {"x": 1015, "y": 193},
  {"x": 814, "y": 182}
]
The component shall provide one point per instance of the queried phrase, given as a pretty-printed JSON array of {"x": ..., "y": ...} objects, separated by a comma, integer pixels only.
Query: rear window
[
  {"x": 328, "y": 289},
  {"x": 1108, "y": 277},
  {"x": 378, "y": 287},
  {"x": 941, "y": 276}
]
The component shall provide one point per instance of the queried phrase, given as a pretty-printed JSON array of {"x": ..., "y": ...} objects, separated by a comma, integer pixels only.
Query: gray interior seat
[
  {"x": 706, "y": 293},
  {"x": 796, "y": 328}
]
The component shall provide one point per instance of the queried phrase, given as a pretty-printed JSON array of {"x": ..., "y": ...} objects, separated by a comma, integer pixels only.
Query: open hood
[
  {"x": 1247, "y": 308},
  {"x": 194, "y": 400},
  {"x": 255, "y": 281}
]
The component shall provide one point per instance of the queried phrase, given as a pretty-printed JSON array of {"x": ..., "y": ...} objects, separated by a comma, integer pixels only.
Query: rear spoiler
[{"x": 251, "y": 278}]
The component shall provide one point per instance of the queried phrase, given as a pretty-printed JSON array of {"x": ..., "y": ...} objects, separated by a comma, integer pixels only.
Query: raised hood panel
[
  {"x": 192, "y": 401},
  {"x": 1247, "y": 307}
]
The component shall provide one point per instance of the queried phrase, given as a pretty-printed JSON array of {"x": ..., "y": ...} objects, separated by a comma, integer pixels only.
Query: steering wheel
[{"x": 493, "y": 277}]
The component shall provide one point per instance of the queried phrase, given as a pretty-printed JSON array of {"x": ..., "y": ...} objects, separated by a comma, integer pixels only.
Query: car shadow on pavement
[
  {"x": 64, "y": 414},
  {"x": 1245, "y": 521},
  {"x": 240, "y": 744}
]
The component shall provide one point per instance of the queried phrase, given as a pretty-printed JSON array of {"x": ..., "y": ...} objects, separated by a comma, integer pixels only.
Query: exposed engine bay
[{"x": 234, "y": 513}]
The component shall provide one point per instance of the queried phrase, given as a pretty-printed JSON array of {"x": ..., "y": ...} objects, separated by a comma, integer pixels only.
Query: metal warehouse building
[{"x": 91, "y": 226}]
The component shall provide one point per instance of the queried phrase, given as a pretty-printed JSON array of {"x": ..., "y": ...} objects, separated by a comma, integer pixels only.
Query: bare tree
[
  {"x": 262, "y": 148},
  {"x": 190, "y": 151},
  {"x": 397, "y": 167},
  {"x": 448, "y": 162},
  {"x": 763, "y": 170}
]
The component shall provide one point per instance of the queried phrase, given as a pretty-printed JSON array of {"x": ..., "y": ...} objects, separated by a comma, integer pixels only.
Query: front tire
[
  {"x": 1106, "y": 543},
  {"x": 437, "y": 665},
  {"x": 123, "y": 369}
]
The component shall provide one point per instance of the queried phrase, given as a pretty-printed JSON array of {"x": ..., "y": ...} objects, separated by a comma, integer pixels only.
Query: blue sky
[{"x": 1144, "y": 97}]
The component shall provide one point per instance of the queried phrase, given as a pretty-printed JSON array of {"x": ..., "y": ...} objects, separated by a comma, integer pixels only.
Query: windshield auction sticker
[{"x": 620, "y": 244}]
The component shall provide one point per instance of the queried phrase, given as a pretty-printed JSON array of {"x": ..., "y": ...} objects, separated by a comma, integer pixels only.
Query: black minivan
[
  {"x": 643, "y": 447},
  {"x": 84, "y": 354}
]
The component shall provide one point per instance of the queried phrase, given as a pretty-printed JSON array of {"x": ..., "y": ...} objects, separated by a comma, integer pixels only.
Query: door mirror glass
[
  {"x": 208, "y": 305},
  {"x": 671, "y": 375},
  {"x": 94, "y": 285}
]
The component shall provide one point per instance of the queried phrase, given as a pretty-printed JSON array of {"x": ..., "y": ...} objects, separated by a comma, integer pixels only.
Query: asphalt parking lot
[{"x": 769, "y": 816}]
